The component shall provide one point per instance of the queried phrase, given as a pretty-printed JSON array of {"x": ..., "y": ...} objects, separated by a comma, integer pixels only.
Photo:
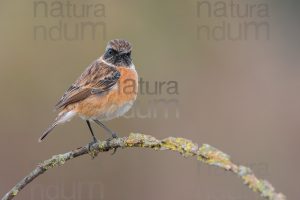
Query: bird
[{"x": 105, "y": 90}]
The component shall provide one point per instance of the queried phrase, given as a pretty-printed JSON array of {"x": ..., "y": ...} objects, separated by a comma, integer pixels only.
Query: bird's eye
[
  {"x": 110, "y": 52},
  {"x": 128, "y": 54}
]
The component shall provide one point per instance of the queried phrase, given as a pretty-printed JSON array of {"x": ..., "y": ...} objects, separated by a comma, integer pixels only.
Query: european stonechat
[{"x": 105, "y": 90}]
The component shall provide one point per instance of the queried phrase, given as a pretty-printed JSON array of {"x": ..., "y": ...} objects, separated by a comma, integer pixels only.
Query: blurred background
[{"x": 229, "y": 74}]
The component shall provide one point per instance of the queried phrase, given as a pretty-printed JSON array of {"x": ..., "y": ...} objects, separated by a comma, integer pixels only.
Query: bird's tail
[
  {"x": 62, "y": 117},
  {"x": 47, "y": 131}
]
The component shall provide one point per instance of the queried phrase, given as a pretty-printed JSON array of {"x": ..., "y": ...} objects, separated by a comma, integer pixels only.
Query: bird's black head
[{"x": 118, "y": 53}]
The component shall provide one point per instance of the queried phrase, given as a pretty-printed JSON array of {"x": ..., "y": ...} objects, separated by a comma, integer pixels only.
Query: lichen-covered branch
[{"x": 205, "y": 153}]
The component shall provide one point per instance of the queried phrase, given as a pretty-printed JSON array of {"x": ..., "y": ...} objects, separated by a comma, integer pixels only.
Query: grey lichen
[{"x": 56, "y": 160}]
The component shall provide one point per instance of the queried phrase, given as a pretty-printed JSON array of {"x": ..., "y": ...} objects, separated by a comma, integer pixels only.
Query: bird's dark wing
[{"x": 96, "y": 79}]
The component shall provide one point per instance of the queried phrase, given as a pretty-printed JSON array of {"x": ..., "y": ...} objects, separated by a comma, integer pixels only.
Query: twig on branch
[{"x": 205, "y": 153}]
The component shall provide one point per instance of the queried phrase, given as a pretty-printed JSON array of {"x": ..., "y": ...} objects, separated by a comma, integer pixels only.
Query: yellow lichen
[
  {"x": 183, "y": 146},
  {"x": 251, "y": 181},
  {"x": 140, "y": 140},
  {"x": 213, "y": 156},
  {"x": 93, "y": 153},
  {"x": 266, "y": 189},
  {"x": 101, "y": 145},
  {"x": 133, "y": 139},
  {"x": 15, "y": 192}
]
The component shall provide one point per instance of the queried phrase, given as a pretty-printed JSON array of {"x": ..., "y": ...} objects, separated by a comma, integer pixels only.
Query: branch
[{"x": 205, "y": 153}]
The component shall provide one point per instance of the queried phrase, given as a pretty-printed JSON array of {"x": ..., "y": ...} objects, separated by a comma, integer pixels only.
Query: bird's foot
[{"x": 113, "y": 136}]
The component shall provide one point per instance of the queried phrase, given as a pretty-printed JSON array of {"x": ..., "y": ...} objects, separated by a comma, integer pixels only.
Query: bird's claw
[
  {"x": 115, "y": 150},
  {"x": 114, "y": 136}
]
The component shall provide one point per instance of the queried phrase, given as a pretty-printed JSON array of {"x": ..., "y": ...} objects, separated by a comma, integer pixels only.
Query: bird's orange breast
[
  {"x": 124, "y": 92},
  {"x": 127, "y": 86}
]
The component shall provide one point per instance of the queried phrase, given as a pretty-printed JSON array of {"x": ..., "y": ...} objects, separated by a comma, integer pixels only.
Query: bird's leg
[
  {"x": 94, "y": 138},
  {"x": 113, "y": 134},
  {"x": 91, "y": 130},
  {"x": 91, "y": 153}
]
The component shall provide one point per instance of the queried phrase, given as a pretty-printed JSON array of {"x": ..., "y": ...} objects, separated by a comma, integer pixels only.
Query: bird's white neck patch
[
  {"x": 102, "y": 60},
  {"x": 131, "y": 66}
]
